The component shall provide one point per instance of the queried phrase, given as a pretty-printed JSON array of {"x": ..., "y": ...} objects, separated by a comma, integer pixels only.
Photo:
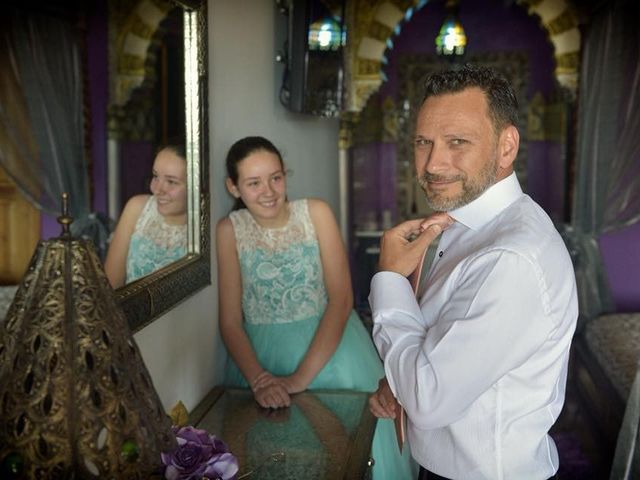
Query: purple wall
[
  {"x": 49, "y": 227},
  {"x": 490, "y": 26},
  {"x": 137, "y": 161},
  {"x": 621, "y": 256},
  {"x": 373, "y": 180}
]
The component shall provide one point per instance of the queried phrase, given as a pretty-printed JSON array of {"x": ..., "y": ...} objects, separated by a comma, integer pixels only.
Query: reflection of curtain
[
  {"x": 607, "y": 195},
  {"x": 608, "y": 177},
  {"x": 41, "y": 144}
]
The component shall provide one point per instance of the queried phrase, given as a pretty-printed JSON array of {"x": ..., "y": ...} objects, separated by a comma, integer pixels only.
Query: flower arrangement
[{"x": 199, "y": 455}]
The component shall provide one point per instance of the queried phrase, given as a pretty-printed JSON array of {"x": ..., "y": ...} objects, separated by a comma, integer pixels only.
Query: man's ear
[
  {"x": 231, "y": 187},
  {"x": 508, "y": 145}
]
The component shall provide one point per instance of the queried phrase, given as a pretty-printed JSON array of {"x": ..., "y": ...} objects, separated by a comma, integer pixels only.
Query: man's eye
[
  {"x": 421, "y": 142},
  {"x": 458, "y": 141}
]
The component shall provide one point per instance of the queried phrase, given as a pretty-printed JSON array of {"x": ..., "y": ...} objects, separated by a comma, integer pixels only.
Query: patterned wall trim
[
  {"x": 371, "y": 24},
  {"x": 134, "y": 27}
]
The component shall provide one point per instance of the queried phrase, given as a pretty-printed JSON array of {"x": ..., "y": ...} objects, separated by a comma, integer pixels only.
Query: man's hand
[
  {"x": 402, "y": 246},
  {"x": 382, "y": 403}
]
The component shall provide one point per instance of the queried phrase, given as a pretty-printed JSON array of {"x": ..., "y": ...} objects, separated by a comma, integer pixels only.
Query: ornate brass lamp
[{"x": 76, "y": 400}]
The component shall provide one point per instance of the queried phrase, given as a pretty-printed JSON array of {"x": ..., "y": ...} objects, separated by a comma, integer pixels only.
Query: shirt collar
[{"x": 484, "y": 208}]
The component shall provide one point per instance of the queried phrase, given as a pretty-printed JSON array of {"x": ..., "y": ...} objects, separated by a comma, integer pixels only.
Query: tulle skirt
[{"x": 355, "y": 365}]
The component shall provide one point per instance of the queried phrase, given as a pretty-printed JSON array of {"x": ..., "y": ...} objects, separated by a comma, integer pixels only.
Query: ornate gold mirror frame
[{"x": 147, "y": 298}]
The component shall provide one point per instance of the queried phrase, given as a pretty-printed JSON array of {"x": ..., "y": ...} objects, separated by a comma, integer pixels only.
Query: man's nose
[{"x": 438, "y": 159}]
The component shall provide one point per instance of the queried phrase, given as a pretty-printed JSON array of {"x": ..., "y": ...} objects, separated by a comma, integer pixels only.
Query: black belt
[{"x": 427, "y": 475}]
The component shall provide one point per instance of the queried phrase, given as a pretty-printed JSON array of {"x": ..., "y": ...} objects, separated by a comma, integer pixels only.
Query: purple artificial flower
[{"x": 199, "y": 455}]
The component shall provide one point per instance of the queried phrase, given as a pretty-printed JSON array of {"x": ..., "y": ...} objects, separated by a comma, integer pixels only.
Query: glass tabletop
[{"x": 324, "y": 434}]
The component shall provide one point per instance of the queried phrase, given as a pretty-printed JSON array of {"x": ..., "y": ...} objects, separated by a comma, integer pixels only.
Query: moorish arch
[
  {"x": 135, "y": 29},
  {"x": 373, "y": 23},
  {"x": 134, "y": 25},
  {"x": 135, "y": 34}
]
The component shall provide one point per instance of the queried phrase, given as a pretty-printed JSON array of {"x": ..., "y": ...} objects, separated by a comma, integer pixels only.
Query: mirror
[
  {"x": 136, "y": 77},
  {"x": 148, "y": 108}
]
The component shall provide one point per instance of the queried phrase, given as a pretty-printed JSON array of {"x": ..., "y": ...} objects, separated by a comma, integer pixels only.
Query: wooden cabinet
[{"x": 19, "y": 231}]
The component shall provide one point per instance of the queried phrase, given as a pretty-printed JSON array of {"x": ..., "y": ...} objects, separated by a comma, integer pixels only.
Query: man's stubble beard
[{"x": 471, "y": 188}]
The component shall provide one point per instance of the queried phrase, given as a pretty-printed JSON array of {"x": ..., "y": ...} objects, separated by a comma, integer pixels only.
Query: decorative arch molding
[
  {"x": 134, "y": 31},
  {"x": 373, "y": 23}
]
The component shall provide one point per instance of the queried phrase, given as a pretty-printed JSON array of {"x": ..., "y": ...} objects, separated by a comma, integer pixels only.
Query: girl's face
[
  {"x": 262, "y": 187},
  {"x": 169, "y": 186}
]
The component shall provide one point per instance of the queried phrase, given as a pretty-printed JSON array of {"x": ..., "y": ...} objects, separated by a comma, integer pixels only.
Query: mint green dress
[
  {"x": 283, "y": 300},
  {"x": 154, "y": 243}
]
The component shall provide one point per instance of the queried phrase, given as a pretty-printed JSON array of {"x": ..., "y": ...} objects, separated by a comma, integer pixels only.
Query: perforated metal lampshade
[{"x": 76, "y": 400}]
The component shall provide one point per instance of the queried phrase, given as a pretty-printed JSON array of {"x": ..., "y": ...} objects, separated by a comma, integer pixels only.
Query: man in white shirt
[{"x": 479, "y": 360}]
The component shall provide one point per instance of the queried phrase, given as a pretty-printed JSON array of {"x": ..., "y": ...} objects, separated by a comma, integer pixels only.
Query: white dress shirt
[{"x": 480, "y": 362}]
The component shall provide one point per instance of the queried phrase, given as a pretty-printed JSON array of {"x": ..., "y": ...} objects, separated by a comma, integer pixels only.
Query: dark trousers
[{"x": 427, "y": 475}]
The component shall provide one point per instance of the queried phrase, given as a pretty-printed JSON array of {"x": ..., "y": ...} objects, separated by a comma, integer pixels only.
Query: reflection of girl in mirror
[
  {"x": 285, "y": 297},
  {"x": 152, "y": 230}
]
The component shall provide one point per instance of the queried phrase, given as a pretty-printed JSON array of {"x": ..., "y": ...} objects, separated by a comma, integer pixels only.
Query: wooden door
[{"x": 19, "y": 231}]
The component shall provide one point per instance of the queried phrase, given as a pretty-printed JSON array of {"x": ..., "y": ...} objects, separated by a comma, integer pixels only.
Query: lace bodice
[
  {"x": 282, "y": 279},
  {"x": 154, "y": 243}
]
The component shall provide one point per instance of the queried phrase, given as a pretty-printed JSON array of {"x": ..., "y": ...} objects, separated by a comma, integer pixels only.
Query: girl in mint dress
[
  {"x": 152, "y": 229},
  {"x": 285, "y": 298},
  {"x": 154, "y": 242}
]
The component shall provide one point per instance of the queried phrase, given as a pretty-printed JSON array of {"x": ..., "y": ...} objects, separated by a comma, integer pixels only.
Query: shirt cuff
[{"x": 390, "y": 290}]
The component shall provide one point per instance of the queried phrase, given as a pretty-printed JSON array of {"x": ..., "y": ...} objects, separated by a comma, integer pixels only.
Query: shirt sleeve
[{"x": 496, "y": 316}]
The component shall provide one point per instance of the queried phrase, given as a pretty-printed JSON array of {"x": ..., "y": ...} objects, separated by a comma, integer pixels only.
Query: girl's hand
[
  {"x": 262, "y": 380},
  {"x": 293, "y": 384},
  {"x": 270, "y": 391},
  {"x": 272, "y": 396}
]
